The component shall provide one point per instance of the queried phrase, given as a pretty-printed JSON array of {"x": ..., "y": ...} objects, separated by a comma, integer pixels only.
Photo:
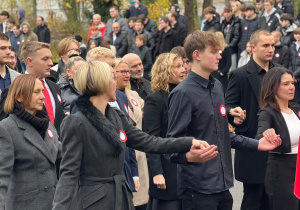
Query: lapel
[
  {"x": 253, "y": 79},
  {"x": 32, "y": 136},
  {"x": 164, "y": 96}
]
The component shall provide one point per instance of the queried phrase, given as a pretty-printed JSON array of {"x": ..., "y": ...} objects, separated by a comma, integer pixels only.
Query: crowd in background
[{"x": 241, "y": 69}]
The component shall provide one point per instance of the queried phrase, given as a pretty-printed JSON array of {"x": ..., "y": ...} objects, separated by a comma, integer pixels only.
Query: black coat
[
  {"x": 43, "y": 33},
  {"x": 121, "y": 43},
  {"x": 68, "y": 92},
  {"x": 91, "y": 169},
  {"x": 150, "y": 41},
  {"x": 224, "y": 66},
  {"x": 166, "y": 42},
  {"x": 231, "y": 32},
  {"x": 151, "y": 27},
  {"x": 287, "y": 7},
  {"x": 143, "y": 87},
  {"x": 281, "y": 55},
  {"x": 181, "y": 32},
  {"x": 270, "y": 118},
  {"x": 287, "y": 37},
  {"x": 59, "y": 113},
  {"x": 294, "y": 63},
  {"x": 146, "y": 58},
  {"x": 243, "y": 90},
  {"x": 155, "y": 122},
  {"x": 214, "y": 25},
  {"x": 272, "y": 24},
  {"x": 246, "y": 29}
]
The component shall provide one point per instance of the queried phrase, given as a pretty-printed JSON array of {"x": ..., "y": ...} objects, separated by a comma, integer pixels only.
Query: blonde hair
[
  {"x": 238, "y": 5},
  {"x": 119, "y": 61},
  {"x": 99, "y": 52},
  {"x": 161, "y": 71},
  {"x": 93, "y": 78},
  {"x": 22, "y": 87},
  {"x": 63, "y": 45},
  {"x": 221, "y": 36}
]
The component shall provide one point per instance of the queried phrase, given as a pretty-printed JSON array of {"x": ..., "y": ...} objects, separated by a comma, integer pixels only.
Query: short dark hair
[
  {"x": 259, "y": 1},
  {"x": 133, "y": 19},
  {"x": 41, "y": 18},
  {"x": 5, "y": 13},
  {"x": 287, "y": 16},
  {"x": 114, "y": 7},
  {"x": 227, "y": 9},
  {"x": 269, "y": 87},
  {"x": 250, "y": 7},
  {"x": 174, "y": 14},
  {"x": 209, "y": 10},
  {"x": 11, "y": 21},
  {"x": 139, "y": 21},
  {"x": 4, "y": 37},
  {"x": 17, "y": 26},
  {"x": 142, "y": 17},
  {"x": 165, "y": 19},
  {"x": 179, "y": 51}
]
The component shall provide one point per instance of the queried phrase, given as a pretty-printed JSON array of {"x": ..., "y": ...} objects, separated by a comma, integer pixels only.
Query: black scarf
[
  {"x": 40, "y": 121},
  {"x": 107, "y": 125}
]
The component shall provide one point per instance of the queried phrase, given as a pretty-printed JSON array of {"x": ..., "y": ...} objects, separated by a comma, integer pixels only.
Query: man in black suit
[
  {"x": 37, "y": 57},
  {"x": 118, "y": 39},
  {"x": 243, "y": 94}
]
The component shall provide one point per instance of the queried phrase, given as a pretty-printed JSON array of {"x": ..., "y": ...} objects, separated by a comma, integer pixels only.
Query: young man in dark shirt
[{"x": 197, "y": 108}]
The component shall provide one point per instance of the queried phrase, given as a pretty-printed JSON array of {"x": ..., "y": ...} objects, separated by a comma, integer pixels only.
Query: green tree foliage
[{"x": 102, "y": 7}]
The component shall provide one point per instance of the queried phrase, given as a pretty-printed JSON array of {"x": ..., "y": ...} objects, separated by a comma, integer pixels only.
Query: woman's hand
[
  {"x": 238, "y": 114},
  {"x": 270, "y": 135},
  {"x": 159, "y": 181},
  {"x": 201, "y": 152}
]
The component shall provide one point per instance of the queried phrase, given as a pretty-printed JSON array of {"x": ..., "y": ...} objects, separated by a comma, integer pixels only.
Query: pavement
[{"x": 236, "y": 191}]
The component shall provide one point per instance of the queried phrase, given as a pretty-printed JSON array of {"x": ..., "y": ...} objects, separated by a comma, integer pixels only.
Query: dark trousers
[
  {"x": 255, "y": 197},
  {"x": 280, "y": 178},
  {"x": 193, "y": 200}
]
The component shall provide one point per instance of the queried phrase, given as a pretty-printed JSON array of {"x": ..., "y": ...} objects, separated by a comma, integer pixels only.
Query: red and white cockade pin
[
  {"x": 18, "y": 42},
  {"x": 277, "y": 55},
  {"x": 50, "y": 134},
  {"x": 123, "y": 136},
  {"x": 299, "y": 113},
  {"x": 246, "y": 28},
  {"x": 59, "y": 98},
  {"x": 299, "y": 54},
  {"x": 126, "y": 109},
  {"x": 269, "y": 24},
  {"x": 223, "y": 110},
  {"x": 134, "y": 102}
]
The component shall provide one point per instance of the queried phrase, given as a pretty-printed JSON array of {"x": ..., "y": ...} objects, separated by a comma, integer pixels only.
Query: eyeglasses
[{"x": 124, "y": 72}]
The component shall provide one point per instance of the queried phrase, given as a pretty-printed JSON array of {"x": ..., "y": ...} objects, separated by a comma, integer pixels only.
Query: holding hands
[
  {"x": 269, "y": 141},
  {"x": 238, "y": 114}
]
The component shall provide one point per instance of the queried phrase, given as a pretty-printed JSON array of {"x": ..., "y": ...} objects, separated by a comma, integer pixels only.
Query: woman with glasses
[
  {"x": 66, "y": 83},
  {"x": 135, "y": 110},
  {"x": 94, "y": 140},
  {"x": 167, "y": 72}
]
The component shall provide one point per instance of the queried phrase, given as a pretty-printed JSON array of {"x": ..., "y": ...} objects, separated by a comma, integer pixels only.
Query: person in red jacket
[{"x": 101, "y": 25}]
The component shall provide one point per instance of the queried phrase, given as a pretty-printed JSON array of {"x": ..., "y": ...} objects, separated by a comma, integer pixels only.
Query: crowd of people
[{"x": 144, "y": 115}]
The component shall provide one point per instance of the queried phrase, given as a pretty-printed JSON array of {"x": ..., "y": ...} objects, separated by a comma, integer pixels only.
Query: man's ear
[
  {"x": 197, "y": 55},
  {"x": 29, "y": 61}
]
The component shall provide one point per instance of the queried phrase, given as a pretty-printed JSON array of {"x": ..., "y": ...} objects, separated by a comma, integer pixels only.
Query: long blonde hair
[{"x": 161, "y": 71}]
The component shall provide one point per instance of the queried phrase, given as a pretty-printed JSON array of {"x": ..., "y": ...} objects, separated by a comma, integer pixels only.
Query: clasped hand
[{"x": 201, "y": 152}]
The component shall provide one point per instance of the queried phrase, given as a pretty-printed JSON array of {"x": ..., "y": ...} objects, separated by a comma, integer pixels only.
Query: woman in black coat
[
  {"x": 167, "y": 72},
  {"x": 278, "y": 112},
  {"x": 94, "y": 142},
  {"x": 66, "y": 83},
  {"x": 224, "y": 64}
]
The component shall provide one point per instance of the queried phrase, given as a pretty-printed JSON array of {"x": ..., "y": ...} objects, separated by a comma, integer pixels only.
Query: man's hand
[
  {"x": 159, "y": 181},
  {"x": 137, "y": 185},
  {"x": 238, "y": 114},
  {"x": 265, "y": 145},
  {"x": 201, "y": 152}
]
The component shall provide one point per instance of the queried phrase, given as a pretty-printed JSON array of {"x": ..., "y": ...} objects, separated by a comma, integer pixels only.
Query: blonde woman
[
  {"x": 167, "y": 72},
  {"x": 236, "y": 9}
]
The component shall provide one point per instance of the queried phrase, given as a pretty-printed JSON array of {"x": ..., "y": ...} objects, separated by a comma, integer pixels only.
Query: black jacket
[
  {"x": 224, "y": 66},
  {"x": 214, "y": 25},
  {"x": 150, "y": 41},
  {"x": 146, "y": 58},
  {"x": 155, "y": 122},
  {"x": 246, "y": 29},
  {"x": 287, "y": 37},
  {"x": 231, "y": 32},
  {"x": 141, "y": 86},
  {"x": 151, "y": 27},
  {"x": 98, "y": 40},
  {"x": 121, "y": 43},
  {"x": 243, "y": 90},
  {"x": 281, "y": 55},
  {"x": 294, "y": 63},
  {"x": 181, "y": 32},
  {"x": 270, "y": 118},
  {"x": 68, "y": 92},
  {"x": 43, "y": 33},
  {"x": 270, "y": 22},
  {"x": 287, "y": 7},
  {"x": 165, "y": 42}
]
